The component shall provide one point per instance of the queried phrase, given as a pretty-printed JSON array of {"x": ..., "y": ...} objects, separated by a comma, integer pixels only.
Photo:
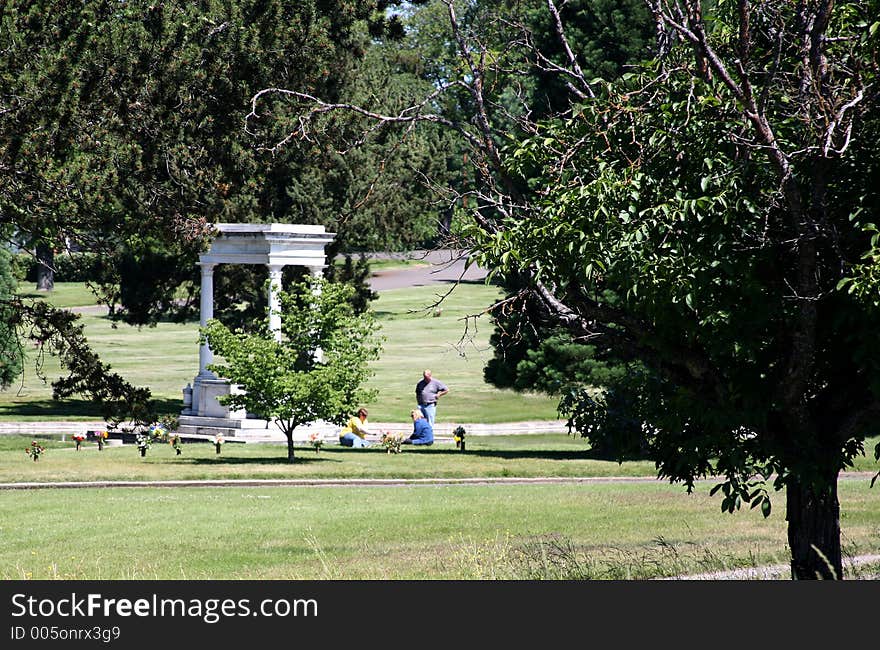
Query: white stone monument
[{"x": 276, "y": 245}]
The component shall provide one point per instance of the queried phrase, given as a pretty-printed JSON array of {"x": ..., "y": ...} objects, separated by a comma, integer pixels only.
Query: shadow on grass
[
  {"x": 51, "y": 409},
  {"x": 299, "y": 459},
  {"x": 326, "y": 455},
  {"x": 516, "y": 454}
]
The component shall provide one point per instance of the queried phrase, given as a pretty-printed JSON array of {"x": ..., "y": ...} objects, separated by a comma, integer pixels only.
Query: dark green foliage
[
  {"x": 532, "y": 352},
  {"x": 357, "y": 275},
  {"x": 605, "y": 35},
  {"x": 141, "y": 108},
  {"x": 372, "y": 190},
  {"x": 68, "y": 267},
  {"x": 152, "y": 283},
  {"x": 22, "y": 266},
  {"x": 241, "y": 295},
  {"x": 11, "y": 350}
]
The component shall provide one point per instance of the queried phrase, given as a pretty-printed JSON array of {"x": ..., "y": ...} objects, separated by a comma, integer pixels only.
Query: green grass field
[
  {"x": 540, "y": 455},
  {"x": 619, "y": 530},
  {"x": 426, "y": 532},
  {"x": 165, "y": 358},
  {"x": 493, "y": 456}
]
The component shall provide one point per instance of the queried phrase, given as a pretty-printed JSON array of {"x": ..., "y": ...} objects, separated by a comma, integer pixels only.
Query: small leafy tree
[{"x": 314, "y": 372}]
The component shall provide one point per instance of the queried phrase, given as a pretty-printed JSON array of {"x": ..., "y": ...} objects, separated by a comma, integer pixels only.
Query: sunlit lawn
[
  {"x": 413, "y": 532},
  {"x": 539, "y": 455},
  {"x": 595, "y": 530},
  {"x": 165, "y": 358},
  {"x": 65, "y": 294},
  {"x": 486, "y": 456}
]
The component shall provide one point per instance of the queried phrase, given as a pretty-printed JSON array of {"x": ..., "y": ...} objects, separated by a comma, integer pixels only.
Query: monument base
[
  {"x": 251, "y": 429},
  {"x": 203, "y": 415},
  {"x": 204, "y": 399}
]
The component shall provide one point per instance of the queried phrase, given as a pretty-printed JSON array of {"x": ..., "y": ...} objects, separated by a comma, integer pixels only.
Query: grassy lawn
[
  {"x": 165, "y": 358},
  {"x": 540, "y": 455},
  {"x": 494, "y": 456},
  {"x": 416, "y": 339},
  {"x": 598, "y": 530},
  {"x": 65, "y": 294},
  {"x": 445, "y": 532}
]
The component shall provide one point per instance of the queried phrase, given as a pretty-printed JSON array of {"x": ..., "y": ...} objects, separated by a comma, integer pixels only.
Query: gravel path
[
  {"x": 341, "y": 482},
  {"x": 775, "y": 572}
]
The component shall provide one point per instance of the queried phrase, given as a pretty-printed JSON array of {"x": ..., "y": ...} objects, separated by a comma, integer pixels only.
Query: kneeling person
[
  {"x": 423, "y": 433},
  {"x": 354, "y": 433}
]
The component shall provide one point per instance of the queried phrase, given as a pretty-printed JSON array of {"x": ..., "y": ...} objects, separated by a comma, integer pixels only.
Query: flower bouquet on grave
[
  {"x": 217, "y": 442},
  {"x": 158, "y": 432},
  {"x": 101, "y": 436},
  {"x": 144, "y": 440},
  {"x": 317, "y": 440},
  {"x": 35, "y": 450},
  {"x": 78, "y": 439},
  {"x": 458, "y": 437},
  {"x": 175, "y": 442},
  {"x": 392, "y": 442}
]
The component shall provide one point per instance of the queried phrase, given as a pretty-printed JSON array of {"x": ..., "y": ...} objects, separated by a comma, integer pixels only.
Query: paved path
[
  {"x": 773, "y": 572},
  {"x": 330, "y": 482},
  {"x": 439, "y": 267},
  {"x": 442, "y": 430}
]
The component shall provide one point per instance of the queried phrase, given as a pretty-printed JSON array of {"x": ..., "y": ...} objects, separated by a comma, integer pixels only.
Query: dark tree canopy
[
  {"x": 122, "y": 132},
  {"x": 11, "y": 349}
]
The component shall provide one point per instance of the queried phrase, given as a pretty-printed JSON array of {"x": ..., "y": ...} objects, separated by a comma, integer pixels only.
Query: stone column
[
  {"x": 275, "y": 274},
  {"x": 206, "y": 313},
  {"x": 317, "y": 272}
]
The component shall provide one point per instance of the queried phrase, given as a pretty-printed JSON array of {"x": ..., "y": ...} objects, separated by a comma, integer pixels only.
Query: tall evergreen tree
[
  {"x": 122, "y": 130},
  {"x": 11, "y": 350}
]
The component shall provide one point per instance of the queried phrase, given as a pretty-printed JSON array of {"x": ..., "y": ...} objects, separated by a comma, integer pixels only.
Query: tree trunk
[
  {"x": 45, "y": 267},
  {"x": 813, "y": 515},
  {"x": 289, "y": 435}
]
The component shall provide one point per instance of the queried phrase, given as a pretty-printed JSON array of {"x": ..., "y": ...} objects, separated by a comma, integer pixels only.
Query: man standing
[{"x": 427, "y": 392}]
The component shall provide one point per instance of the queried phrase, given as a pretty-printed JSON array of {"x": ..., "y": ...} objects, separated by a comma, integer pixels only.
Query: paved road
[{"x": 438, "y": 267}]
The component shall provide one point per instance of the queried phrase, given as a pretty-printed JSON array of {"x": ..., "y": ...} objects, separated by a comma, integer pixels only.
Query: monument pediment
[{"x": 272, "y": 244}]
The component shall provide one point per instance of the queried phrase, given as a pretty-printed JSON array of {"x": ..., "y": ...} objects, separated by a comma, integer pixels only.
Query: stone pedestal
[{"x": 205, "y": 403}]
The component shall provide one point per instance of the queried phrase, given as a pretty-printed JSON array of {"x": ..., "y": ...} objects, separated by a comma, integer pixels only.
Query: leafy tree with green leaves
[
  {"x": 725, "y": 196},
  {"x": 316, "y": 370}
]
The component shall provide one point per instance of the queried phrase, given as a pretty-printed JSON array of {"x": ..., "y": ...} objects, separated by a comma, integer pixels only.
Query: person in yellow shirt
[{"x": 354, "y": 433}]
